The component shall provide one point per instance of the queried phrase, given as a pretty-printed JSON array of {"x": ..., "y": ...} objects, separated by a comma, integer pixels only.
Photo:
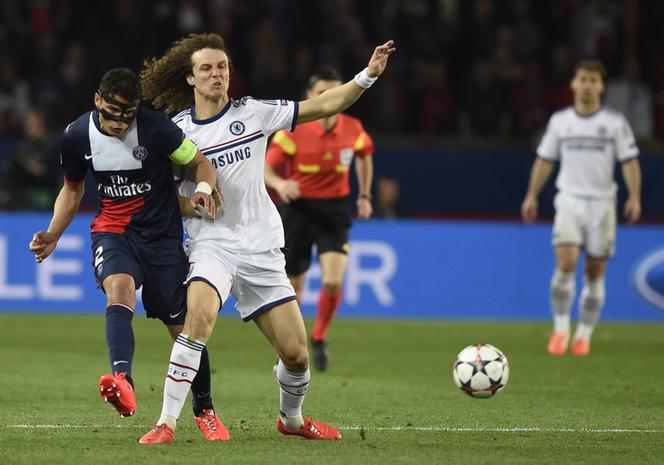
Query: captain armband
[{"x": 185, "y": 152}]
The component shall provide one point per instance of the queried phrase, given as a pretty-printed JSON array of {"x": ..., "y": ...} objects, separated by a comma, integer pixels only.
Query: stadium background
[{"x": 456, "y": 118}]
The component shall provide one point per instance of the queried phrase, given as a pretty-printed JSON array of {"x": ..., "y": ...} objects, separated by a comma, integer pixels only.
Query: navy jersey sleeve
[
  {"x": 72, "y": 151},
  {"x": 169, "y": 136}
]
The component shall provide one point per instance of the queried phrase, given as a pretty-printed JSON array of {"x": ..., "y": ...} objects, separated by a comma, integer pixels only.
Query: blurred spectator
[
  {"x": 597, "y": 32},
  {"x": 46, "y": 84},
  {"x": 77, "y": 81},
  {"x": 472, "y": 70},
  {"x": 558, "y": 93},
  {"x": 632, "y": 97},
  {"x": 190, "y": 17},
  {"x": 14, "y": 99},
  {"x": 386, "y": 201},
  {"x": 528, "y": 102},
  {"x": 436, "y": 100},
  {"x": 485, "y": 112},
  {"x": 30, "y": 183}
]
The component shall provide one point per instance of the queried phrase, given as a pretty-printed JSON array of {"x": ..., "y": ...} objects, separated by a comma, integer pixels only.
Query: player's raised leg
[
  {"x": 117, "y": 387},
  {"x": 333, "y": 266},
  {"x": 562, "y": 293},
  {"x": 284, "y": 328},
  {"x": 590, "y": 305},
  {"x": 203, "y": 303}
]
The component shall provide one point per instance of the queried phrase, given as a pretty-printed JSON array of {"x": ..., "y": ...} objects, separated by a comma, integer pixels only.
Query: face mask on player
[{"x": 127, "y": 110}]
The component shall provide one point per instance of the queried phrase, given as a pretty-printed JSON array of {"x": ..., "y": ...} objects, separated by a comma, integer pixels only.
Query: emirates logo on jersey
[{"x": 121, "y": 187}]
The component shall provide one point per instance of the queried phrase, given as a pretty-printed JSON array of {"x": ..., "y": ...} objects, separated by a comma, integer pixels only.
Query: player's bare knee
[
  {"x": 594, "y": 271},
  {"x": 120, "y": 292},
  {"x": 332, "y": 287},
  {"x": 200, "y": 322},
  {"x": 296, "y": 358},
  {"x": 566, "y": 265}
]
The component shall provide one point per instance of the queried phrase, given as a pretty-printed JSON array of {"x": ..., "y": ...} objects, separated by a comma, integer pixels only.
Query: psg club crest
[
  {"x": 140, "y": 153},
  {"x": 237, "y": 128}
]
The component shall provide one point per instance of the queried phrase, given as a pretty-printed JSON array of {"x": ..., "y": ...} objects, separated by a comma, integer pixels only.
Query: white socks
[
  {"x": 293, "y": 386},
  {"x": 182, "y": 368},
  {"x": 591, "y": 301},
  {"x": 590, "y": 307},
  {"x": 563, "y": 290}
]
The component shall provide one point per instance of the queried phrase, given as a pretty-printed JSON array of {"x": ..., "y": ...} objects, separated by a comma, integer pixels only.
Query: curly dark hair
[{"x": 163, "y": 80}]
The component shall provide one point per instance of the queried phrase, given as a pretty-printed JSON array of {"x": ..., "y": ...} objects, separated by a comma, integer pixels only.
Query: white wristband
[
  {"x": 363, "y": 80},
  {"x": 203, "y": 187}
]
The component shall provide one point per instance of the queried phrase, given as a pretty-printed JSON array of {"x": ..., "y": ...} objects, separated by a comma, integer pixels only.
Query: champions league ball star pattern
[{"x": 481, "y": 370}]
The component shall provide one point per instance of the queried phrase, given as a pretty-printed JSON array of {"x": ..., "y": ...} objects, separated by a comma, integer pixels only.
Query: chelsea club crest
[
  {"x": 236, "y": 128},
  {"x": 139, "y": 152}
]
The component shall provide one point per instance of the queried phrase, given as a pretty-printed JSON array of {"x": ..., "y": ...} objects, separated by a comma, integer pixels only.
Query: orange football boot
[
  {"x": 212, "y": 427},
  {"x": 159, "y": 434},
  {"x": 558, "y": 343},
  {"x": 311, "y": 430},
  {"x": 117, "y": 391}
]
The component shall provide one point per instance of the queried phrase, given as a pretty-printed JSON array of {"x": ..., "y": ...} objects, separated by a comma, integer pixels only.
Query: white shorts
[
  {"x": 257, "y": 281},
  {"x": 589, "y": 223}
]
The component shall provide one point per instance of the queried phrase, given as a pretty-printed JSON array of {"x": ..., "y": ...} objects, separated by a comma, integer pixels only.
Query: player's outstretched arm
[
  {"x": 339, "y": 98},
  {"x": 539, "y": 175},
  {"x": 631, "y": 171},
  {"x": 43, "y": 243}
]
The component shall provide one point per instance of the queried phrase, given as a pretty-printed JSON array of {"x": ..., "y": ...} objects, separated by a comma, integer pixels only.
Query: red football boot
[
  {"x": 311, "y": 430},
  {"x": 558, "y": 343},
  {"x": 117, "y": 391},
  {"x": 159, "y": 434},
  {"x": 212, "y": 427},
  {"x": 580, "y": 347}
]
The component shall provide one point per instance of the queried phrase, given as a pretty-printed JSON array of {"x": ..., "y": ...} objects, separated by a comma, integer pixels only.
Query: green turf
[{"x": 389, "y": 389}]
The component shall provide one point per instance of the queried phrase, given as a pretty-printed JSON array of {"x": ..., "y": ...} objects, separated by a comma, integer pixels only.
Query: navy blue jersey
[{"x": 133, "y": 174}]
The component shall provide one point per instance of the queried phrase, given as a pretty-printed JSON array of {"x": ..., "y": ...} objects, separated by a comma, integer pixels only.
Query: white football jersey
[
  {"x": 235, "y": 141},
  {"x": 587, "y": 148}
]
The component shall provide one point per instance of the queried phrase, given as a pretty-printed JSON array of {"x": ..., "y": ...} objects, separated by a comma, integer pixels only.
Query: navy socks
[
  {"x": 120, "y": 338},
  {"x": 200, "y": 388}
]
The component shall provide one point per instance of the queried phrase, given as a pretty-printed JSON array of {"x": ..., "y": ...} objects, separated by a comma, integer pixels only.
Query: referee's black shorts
[{"x": 324, "y": 222}]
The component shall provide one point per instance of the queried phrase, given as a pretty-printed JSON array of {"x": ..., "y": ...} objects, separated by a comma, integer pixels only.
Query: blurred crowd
[{"x": 470, "y": 71}]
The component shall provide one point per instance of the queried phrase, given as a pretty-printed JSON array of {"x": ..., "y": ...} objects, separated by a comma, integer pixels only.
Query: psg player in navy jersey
[{"x": 137, "y": 233}]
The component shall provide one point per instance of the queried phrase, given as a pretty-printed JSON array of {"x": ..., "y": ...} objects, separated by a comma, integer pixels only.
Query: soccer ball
[{"x": 481, "y": 370}]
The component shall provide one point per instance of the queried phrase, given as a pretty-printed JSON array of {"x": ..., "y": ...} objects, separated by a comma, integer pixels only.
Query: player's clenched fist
[{"x": 42, "y": 245}]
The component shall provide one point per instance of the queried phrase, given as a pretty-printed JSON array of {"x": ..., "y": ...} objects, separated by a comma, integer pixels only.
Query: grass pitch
[{"x": 389, "y": 390}]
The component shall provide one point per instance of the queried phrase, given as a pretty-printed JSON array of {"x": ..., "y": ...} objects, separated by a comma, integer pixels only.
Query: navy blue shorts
[{"x": 159, "y": 266}]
